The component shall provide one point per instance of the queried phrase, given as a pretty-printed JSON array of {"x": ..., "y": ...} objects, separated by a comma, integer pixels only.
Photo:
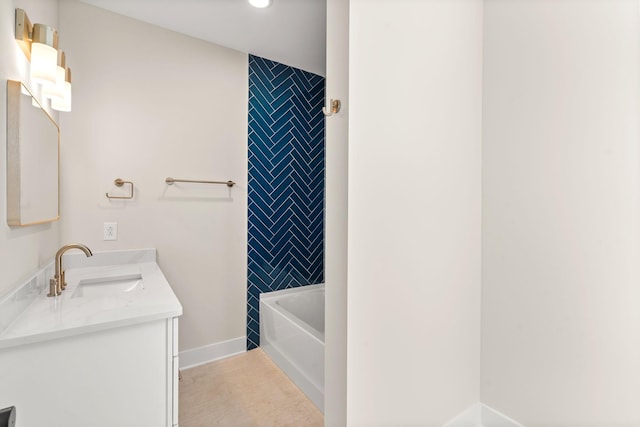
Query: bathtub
[{"x": 292, "y": 335}]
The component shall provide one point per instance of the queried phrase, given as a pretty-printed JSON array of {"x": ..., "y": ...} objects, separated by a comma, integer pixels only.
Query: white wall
[
  {"x": 22, "y": 250},
  {"x": 561, "y": 342},
  {"x": 150, "y": 103},
  {"x": 336, "y": 201},
  {"x": 414, "y": 211}
]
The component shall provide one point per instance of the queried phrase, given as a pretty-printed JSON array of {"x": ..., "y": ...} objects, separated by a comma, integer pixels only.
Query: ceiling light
[{"x": 260, "y": 3}]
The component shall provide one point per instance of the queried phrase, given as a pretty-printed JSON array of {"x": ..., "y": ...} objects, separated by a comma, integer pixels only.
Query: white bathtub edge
[
  {"x": 270, "y": 299},
  {"x": 293, "y": 372},
  {"x": 292, "y": 344},
  {"x": 267, "y": 296},
  {"x": 212, "y": 352}
]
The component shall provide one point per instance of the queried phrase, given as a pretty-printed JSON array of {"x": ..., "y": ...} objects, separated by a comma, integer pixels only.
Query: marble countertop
[{"x": 108, "y": 290}]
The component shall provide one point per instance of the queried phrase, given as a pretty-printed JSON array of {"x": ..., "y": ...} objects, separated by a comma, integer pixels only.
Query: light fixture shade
[
  {"x": 44, "y": 54},
  {"x": 57, "y": 90},
  {"x": 64, "y": 104},
  {"x": 260, "y": 3}
]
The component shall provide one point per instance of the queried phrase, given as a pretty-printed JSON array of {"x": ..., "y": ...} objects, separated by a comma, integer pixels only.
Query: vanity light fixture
[
  {"x": 260, "y": 3},
  {"x": 39, "y": 43}
]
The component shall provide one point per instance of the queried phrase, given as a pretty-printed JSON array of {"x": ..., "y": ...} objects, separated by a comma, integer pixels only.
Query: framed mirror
[{"x": 33, "y": 160}]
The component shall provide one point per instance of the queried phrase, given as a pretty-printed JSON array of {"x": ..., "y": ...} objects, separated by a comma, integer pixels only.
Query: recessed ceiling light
[{"x": 260, "y": 3}]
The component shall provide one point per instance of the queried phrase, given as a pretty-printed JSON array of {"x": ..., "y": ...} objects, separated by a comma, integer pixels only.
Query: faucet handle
[
  {"x": 63, "y": 281},
  {"x": 53, "y": 288}
]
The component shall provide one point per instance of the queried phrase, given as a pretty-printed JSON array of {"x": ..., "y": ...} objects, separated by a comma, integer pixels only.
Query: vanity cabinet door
[{"x": 115, "y": 377}]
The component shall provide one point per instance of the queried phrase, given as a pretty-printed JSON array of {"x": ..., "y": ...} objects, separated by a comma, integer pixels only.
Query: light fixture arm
[{"x": 24, "y": 32}]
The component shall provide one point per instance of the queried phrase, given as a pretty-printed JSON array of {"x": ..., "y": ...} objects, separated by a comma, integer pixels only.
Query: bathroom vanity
[{"x": 104, "y": 353}]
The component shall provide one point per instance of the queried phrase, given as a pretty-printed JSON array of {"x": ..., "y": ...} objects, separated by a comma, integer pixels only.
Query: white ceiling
[{"x": 289, "y": 31}]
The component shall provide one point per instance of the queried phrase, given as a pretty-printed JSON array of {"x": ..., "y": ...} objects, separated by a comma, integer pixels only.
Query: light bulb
[
  {"x": 55, "y": 90},
  {"x": 260, "y": 3},
  {"x": 44, "y": 56},
  {"x": 64, "y": 103}
]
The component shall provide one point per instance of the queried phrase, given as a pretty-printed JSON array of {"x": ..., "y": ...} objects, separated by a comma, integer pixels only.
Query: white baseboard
[
  {"x": 470, "y": 417},
  {"x": 481, "y": 415},
  {"x": 493, "y": 418},
  {"x": 212, "y": 352}
]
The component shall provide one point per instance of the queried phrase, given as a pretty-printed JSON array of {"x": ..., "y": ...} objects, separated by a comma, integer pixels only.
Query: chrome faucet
[{"x": 57, "y": 284}]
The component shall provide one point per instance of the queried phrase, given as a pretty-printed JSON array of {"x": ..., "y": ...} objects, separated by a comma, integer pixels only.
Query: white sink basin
[{"x": 109, "y": 286}]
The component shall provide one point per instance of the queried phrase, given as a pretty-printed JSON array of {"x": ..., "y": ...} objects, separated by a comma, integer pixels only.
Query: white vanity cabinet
[
  {"x": 125, "y": 376},
  {"x": 93, "y": 361}
]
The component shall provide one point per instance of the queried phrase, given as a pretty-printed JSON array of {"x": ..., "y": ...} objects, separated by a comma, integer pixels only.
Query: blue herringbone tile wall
[{"x": 286, "y": 182}]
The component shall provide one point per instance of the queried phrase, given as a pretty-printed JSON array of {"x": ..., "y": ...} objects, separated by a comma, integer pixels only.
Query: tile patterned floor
[{"x": 245, "y": 390}]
